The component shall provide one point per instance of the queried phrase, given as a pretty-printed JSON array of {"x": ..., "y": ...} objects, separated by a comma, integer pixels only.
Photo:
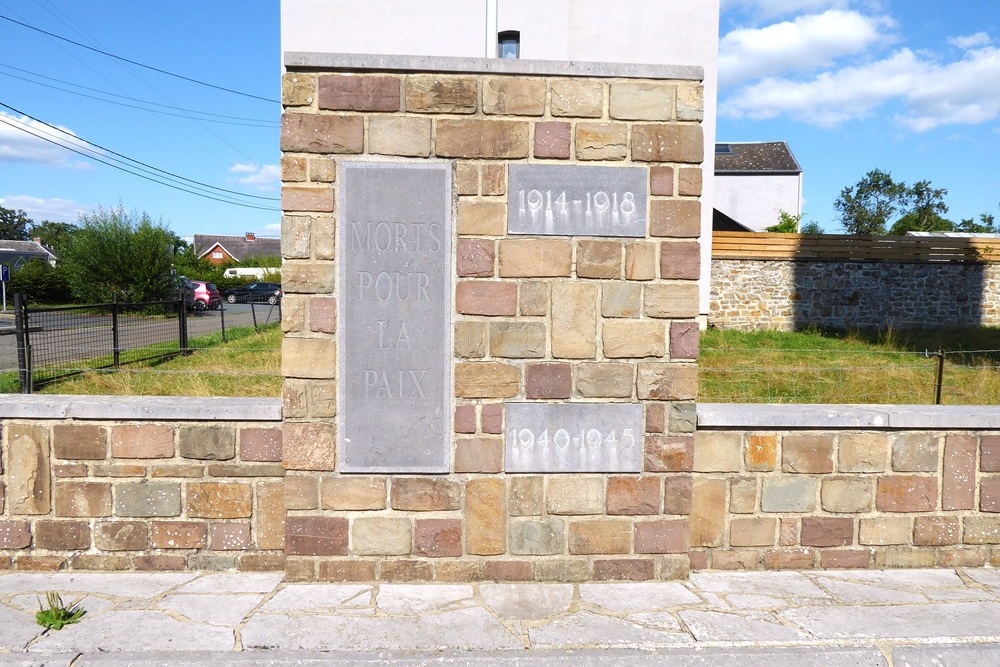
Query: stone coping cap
[
  {"x": 145, "y": 408},
  {"x": 299, "y": 60},
  {"x": 791, "y": 416}
]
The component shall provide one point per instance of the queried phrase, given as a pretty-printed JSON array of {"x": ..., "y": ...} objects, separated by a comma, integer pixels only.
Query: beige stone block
[
  {"x": 514, "y": 96},
  {"x": 574, "y": 494},
  {"x": 527, "y": 495},
  {"x": 29, "y": 480},
  {"x": 517, "y": 340},
  {"x": 905, "y": 558},
  {"x": 597, "y": 380},
  {"x": 634, "y": 339},
  {"x": 475, "y": 138},
  {"x": 486, "y": 379},
  {"x": 300, "y": 492},
  {"x": 635, "y": 100},
  {"x": 718, "y": 451},
  {"x": 436, "y": 93},
  {"x": 466, "y": 179},
  {"x": 534, "y": 298},
  {"x": 599, "y": 259},
  {"x": 269, "y": 515},
  {"x": 307, "y": 198},
  {"x": 574, "y": 320},
  {"x": 314, "y": 358},
  {"x": 494, "y": 180},
  {"x": 485, "y": 517},
  {"x": 674, "y": 300},
  {"x": 324, "y": 232},
  {"x": 482, "y": 218},
  {"x": 470, "y": 339},
  {"x": 399, "y": 135},
  {"x": 295, "y": 236},
  {"x": 535, "y": 258},
  {"x": 690, "y": 101},
  {"x": 708, "y": 512},
  {"x": 863, "y": 452},
  {"x": 314, "y": 133},
  {"x": 601, "y": 141},
  {"x": 298, "y": 89},
  {"x": 381, "y": 536},
  {"x": 309, "y": 445},
  {"x": 600, "y": 536},
  {"x": 743, "y": 495},
  {"x": 753, "y": 532},
  {"x": 673, "y": 142},
  {"x": 886, "y": 530},
  {"x": 353, "y": 493},
  {"x": 620, "y": 299},
  {"x": 294, "y": 169},
  {"x": 303, "y": 277},
  {"x": 322, "y": 169},
  {"x": 848, "y": 495},
  {"x": 689, "y": 182},
  {"x": 293, "y": 313},
  {"x": 667, "y": 382},
  {"x": 572, "y": 97},
  {"x": 641, "y": 259}
]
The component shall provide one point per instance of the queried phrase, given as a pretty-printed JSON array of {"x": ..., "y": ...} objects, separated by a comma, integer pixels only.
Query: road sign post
[{"x": 4, "y": 278}]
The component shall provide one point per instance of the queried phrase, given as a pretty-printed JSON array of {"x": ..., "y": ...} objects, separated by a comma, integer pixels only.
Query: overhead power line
[{"x": 136, "y": 63}]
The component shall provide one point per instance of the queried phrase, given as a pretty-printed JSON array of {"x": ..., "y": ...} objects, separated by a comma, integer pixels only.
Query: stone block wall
[
  {"x": 552, "y": 319},
  {"x": 134, "y": 486}
]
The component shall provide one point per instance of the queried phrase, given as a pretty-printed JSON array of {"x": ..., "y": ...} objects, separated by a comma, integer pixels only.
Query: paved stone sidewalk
[{"x": 894, "y": 617}]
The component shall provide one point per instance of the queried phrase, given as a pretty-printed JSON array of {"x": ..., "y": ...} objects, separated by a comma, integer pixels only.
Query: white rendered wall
[
  {"x": 757, "y": 201},
  {"x": 654, "y": 32}
]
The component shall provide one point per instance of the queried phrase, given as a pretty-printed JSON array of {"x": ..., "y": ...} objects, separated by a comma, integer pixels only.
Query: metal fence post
[
  {"x": 222, "y": 315},
  {"x": 23, "y": 342},
  {"x": 115, "y": 341},
  {"x": 940, "y": 377},
  {"x": 182, "y": 323}
]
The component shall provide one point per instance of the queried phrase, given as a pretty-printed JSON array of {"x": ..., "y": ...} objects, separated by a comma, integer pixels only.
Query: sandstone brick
[
  {"x": 260, "y": 444},
  {"x": 690, "y": 101},
  {"x": 537, "y": 537},
  {"x": 662, "y": 537},
  {"x": 633, "y": 495},
  {"x": 684, "y": 340},
  {"x": 178, "y": 535},
  {"x": 634, "y": 339},
  {"x": 915, "y": 452},
  {"x": 989, "y": 458},
  {"x": 311, "y": 133},
  {"x": 80, "y": 442},
  {"x": 963, "y": 557},
  {"x": 470, "y": 339},
  {"x": 577, "y": 98},
  {"x": 562, "y": 569},
  {"x": 620, "y": 299},
  {"x": 847, "y": 495},
  {"x": 322, "y": 314},
  {"x": 526, "y": 496},
  {"x": 297, "y": 89},
  {"x": 666, "y": 454},
  {"x": 269, "y": 516},
  {"x": 633, "y": 100},
  {"x": 904, "y": 557},
  {"x": 574, "y": 320},
  {"x": 482, "y": 218},
  {"x": 507, "y": 570},
  {"x": 485, "y": 517},
  {"x": 486, "y": 298},
  {"x": 224, "y": 470},
  {"x": 316, "y": 536},
  {"x": 494, "y": 179},
  {"x": 229, "y": 537},
  {"x": 677, "y": 494},
  {"x": 314, "y": 358},
  {"x": 827, "y": 532},
  {"x": 534, "y": 298},
  {"x": 301, "y": 492},
  {"x": 475, "y": 257},
  {"x": 322, "y": 397},
  {"x": 708, "y": 512},
  {"x": 667, "y": 382},
  {"x": 423, "y": 494},
  {"x": 735, "y": 559},
  {"x": 756, "y": 532},
  {"x": 83, "y": 499},
  {"x": 600, "y": 536},
  {"x": 599, "y": 259},
  {"x": 100, "y": 563},
  {"x": 683, "y": 418},
  {"x": 219, "y": 500},
  {"x": 14, "y": 534},
  {"x": 466, "y": 179},
  {"x": 433, "y": 93},
  {"x": 121, "y": 535},
  {"x": 655, "y": 418},
  {"x": 936, "y": 531},
  {"x": 845, "y": 558},
  {"x": 517, "y": 339},
  {"x": 548, "y": 380},
  {"x": 353, "y": 493},
  {"x": 458, "y": 570},
  {"x": 465, "y": 419},
  {"x": 601, "y": 141},
  {"x": 351, "y": 92},
  {"x": 761, "y": 452},
  {"x": 601, "y": 380},
  {"x": 640, "y": 260},
  {"x": 437, "y": 538},
  {"x": 689, "y": 182},
  {"x": 574, "y": 494},
  {"x": 881, "y": 531},
  {"x": 308, "y": 277},
  {"x": 677, "y": 218},
  {"x": 148, "y": 499},
  {"x": 743, "y": 495},
  {"x": 492, "y": 418},
  {"x": 62, "y": 471},
  {"x": 807, "y": 453},
  {"x": 958, "y": 482},
  {"x": 29, "y": 476},
  {"x": 322, "y": 170},
  {"x": 479, "y": 455},
  {"x": 207, "y": 443},
  {"x": 624, "y": 569},
  {"x": 552, "y": 140},
  {"x": 381, "y": 536},
  {"x": 717, "y": 451},
  {"x": 788, "y": 494},
  {"x": 788, "y": 532},
  {"x": 535, "y": 258},
  {"x": 482, "y": 139},
  {"x": 309, "y": 445},
  {"x": 661, "y": 181},
  {"x": 989, "y": 494},
  {"x": 514, "y": 96},
  {"x": 160, "y": 563},
  {"x": 790, "y": 559},
  {"x": 978, "y": 530},
  {"x": 680, "y": 260},
  {"x": 906, "y": 493},
  {"x": 667, "y": 143},
  {"x": 142, "y": 441},
  {"x": 118, "y": 470},
  {"x": 486, "y": 380},
  {"x": 671, "y": 300},
  {"x": 863, "y": 452}
]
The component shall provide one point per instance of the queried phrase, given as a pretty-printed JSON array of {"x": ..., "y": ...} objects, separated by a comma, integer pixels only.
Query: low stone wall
[
  {"x": 113, "y": 483},
  {"x": 788, "y": 295},
  {"x": 797, "y": 486}
]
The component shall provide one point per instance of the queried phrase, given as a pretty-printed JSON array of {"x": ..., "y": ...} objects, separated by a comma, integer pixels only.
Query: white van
[{"x": 255, "y": 273}]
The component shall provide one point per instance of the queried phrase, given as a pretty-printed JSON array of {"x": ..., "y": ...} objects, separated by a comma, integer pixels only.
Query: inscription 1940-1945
[
  {"x": 576, "y": 200},
  {"x": 394, "y": 353}
]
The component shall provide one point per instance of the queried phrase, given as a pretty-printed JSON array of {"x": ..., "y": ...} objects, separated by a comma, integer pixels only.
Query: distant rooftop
[
  {"x": 770, "y": 157},
  {"x": 239, "y": 247}
]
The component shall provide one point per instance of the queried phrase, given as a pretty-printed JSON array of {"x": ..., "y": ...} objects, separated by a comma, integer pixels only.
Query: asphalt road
[{"x": 80, "y": 332}]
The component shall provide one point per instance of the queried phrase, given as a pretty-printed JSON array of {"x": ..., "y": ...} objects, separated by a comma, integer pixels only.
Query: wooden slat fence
[{"x": 836, "y": 247}]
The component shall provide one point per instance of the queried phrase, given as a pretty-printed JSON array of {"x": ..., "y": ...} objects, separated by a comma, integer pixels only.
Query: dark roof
[
  {"x": 723, "y": 223},
  {"x": 24, "y": 248},
  {"x": 238, "y": 246},
  {"x": 768, "y": 157}
]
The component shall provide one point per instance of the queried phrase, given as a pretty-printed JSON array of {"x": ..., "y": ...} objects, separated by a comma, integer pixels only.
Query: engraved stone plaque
[
  {"x": 573, "y": 437},
  {"x": 576, "y": 200},
  {"x": 394, "y": 371}
]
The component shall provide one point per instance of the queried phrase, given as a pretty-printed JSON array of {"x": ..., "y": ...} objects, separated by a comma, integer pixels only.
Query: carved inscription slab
[
  {"x": 573, "y": 437},
  {"x": 394, "y": 369},
  {"x": 576, "y": 200}
]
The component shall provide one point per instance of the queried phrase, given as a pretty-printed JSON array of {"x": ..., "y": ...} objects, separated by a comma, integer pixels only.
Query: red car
[{"x": 206, "y": 295}]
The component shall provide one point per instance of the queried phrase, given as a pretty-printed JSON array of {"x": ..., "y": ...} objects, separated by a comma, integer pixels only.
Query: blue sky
[{"x": 908, "y": 86}]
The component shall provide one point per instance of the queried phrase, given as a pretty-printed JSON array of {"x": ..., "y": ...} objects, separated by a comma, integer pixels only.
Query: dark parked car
[
  {"x": 206, "y": 295},
  {"x": 255, "y": 292}
]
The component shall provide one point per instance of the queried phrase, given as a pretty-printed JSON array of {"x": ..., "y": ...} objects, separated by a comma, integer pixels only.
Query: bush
[{"x": 41, "y": 282}]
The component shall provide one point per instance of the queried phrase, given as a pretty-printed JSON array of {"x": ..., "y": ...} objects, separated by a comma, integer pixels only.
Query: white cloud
[
  {"x": 967, "y": 42},
  {"x": 804, "y": 44},
  {"x": 56, "y": 210},
  {"x": 20, "y": 141},
  {"x": 265, "y": 178}
]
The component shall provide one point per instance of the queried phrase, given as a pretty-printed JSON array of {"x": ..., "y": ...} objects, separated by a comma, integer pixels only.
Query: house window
[
  {"x": 509, "y": 44},
  {"x": 216, "y": 255}
]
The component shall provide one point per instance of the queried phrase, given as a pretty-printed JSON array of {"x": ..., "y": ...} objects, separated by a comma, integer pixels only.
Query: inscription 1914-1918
[{"x": 394, "y": 353}]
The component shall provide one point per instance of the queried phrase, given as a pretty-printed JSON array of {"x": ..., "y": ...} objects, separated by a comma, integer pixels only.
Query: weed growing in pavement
[{"x": 57, "y": 615}]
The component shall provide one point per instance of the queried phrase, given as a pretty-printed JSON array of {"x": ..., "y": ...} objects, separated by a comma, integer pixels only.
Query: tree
[
  {"x": 811, "y": 227},
  {"x": 120, "y": 252},
  {"x": 926, "y": 211},
  {"x": 13, "y": 224},
  {"x": 54, "y": 235},
  {"x": 787, "y": 224},
  {"x": 867, "y": 206},
  {"x": 41, "y": 282},
  {"x": 986, "y": 225}
]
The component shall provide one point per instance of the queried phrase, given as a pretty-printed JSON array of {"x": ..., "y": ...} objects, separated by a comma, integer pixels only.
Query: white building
[
  {"x": 654, "y": 32},
  {"x": 754, "y": 183}
]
